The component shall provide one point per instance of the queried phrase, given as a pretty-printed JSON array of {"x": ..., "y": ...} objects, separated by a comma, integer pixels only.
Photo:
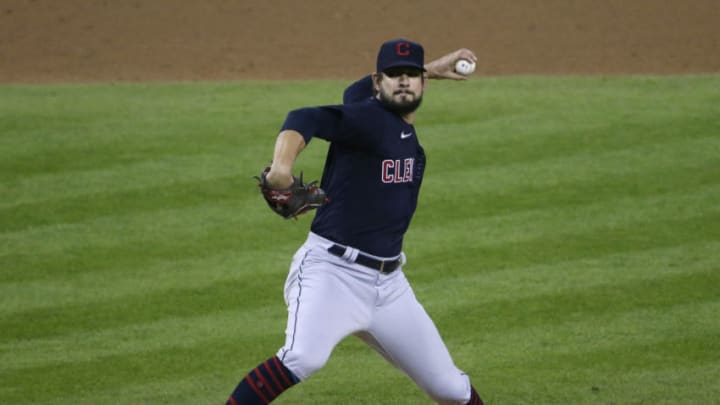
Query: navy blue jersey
[{"x": 372, "y": 173}]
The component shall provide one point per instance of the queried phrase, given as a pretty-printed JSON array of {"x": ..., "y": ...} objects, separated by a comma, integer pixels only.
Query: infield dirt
[{"x": 45, "y": 41}]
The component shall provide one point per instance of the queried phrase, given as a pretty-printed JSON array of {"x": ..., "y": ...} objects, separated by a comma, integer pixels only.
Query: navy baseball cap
[{"x": 400, "y": 53}]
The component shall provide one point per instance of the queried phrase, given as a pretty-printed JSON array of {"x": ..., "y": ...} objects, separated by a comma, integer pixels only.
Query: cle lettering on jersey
[{"x": 397, "y": 171}]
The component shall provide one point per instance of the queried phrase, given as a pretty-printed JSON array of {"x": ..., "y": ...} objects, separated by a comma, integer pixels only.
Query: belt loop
[{"x": 350, "y": 254}]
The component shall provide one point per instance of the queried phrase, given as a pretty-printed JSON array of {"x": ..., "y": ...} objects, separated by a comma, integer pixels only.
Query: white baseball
[{"x": 464, "y": 67}]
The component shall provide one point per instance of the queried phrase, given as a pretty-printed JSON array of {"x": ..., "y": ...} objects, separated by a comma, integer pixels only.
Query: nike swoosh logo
[{"x": 403, "y": 135}]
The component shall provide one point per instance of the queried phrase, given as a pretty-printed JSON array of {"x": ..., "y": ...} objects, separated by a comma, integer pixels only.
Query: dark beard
[{"x": 402, "y": 108}]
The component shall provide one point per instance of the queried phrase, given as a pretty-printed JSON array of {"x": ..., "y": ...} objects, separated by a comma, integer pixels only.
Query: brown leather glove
[{"x": 295, "y": 200}]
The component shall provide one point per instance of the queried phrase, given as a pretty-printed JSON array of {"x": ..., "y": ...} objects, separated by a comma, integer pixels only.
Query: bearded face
[{"x": 400, "y": 89}]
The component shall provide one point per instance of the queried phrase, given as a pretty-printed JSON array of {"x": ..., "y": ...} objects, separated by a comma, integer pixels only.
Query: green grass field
[{"x": 567, "y": 241}]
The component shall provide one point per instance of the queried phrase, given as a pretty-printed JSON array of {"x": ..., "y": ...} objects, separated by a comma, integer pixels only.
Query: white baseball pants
[{"x": 329, "y": 298}]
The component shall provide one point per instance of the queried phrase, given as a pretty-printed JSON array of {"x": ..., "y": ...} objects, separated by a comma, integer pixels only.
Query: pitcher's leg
[
  {"x": 406, "y": 336},
  {"x": 322, "y": 310},
  {"x": 325, "y": 304}
]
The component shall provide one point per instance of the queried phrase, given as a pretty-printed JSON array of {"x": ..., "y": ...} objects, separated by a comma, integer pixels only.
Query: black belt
[{"x": 383, "y": 266}]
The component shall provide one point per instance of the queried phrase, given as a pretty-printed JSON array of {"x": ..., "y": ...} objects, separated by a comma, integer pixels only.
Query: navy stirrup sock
[
  {"x": 474, "y": 397},
  {"x": 263, "y": 384}
]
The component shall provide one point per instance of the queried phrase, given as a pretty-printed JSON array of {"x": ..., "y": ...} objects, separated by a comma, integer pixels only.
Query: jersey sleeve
[
  {"x": 358, "y": 91},
  {"x": 315, "y": 122}
]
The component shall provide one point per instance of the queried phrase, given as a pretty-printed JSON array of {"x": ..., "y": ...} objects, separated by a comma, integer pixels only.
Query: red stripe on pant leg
[
  {"x": 281, "y": 368},
  {"x": 232, "y": 401},
  {"x": 272, "y": 375},
  {"x": 256, "y": 390}
]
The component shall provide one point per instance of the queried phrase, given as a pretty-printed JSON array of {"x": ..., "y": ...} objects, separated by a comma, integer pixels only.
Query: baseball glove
[{"x": 295, "y": 200}]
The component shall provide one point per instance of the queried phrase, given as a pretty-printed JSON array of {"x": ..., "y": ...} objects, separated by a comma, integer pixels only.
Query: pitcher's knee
[
  {"x": 303, "y": 363},
  {"x": 450, "y": 389}
]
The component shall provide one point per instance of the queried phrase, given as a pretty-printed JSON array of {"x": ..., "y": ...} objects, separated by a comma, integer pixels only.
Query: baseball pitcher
[{"x": 347, "y": 278}]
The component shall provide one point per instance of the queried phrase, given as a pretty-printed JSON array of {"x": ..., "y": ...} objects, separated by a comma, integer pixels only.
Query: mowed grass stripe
[
  {"x": 601, "y": 300},
  {"x": 517, "y": 361},
  {"x": 508, "y": 289},
  {"x": 129, "y": 241},
  {"x": 89, "y": 149},
  {"x": 587, "y": 385},
  {"x": 151, "y": 226},
  {"x": 148, "y": 220},
  {"x": 667, "y": 353},
  {"x": 153, "y": 276},
  {"x": 624, "y": 233},
  {"x": 236, "y": 323},
  {"x": 669, "y": 384},
  {"x": 553, "y": 250},
  {"x": 642, "y": 373},
  {"x": 599, "y": 290},
  {"x": 181, "y": 194},
  {"x": 568, "y": 182},
  {"x": 591, "y": 333},
  {"x": 201, "y": 388},
  {"x": 14, "y": 248},
  {"x": 519, "y": 145},
  {"x": 111, "y": 372},
  {"x": 583, "y": 378},
  {"x": 636, "y": 162},
  {"x": 130, "y": 370},
  {"x": 75, "y": 128},
  {"x": 33, "y": 239},
  {"x": 545, "y": 278},
  {"x": 196, "y": 177},
  {"x": 606, "y": 211},
  {"x": 500, "y": 237},
  {"x": 131, "y": 177},
  {"x": 570, "y": 194},
  {"x": 186, "y": 301},
  {"x": 551, "y": 237},
  {"x": 85, "y": 208}
]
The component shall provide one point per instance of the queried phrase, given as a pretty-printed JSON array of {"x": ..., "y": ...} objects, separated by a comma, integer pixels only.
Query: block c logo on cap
[{"x": 402, "y": 49}]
